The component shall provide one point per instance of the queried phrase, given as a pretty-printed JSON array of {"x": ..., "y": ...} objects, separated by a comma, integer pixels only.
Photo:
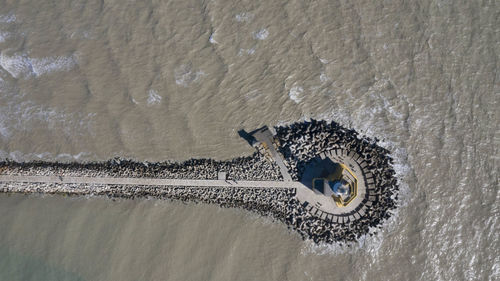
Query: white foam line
[
  {"x": 22, "y": 157},
  {"x": 369, "y": 243},
  {"x": 261, "y": 34},
  {"x": 244, "y": 17},
  {"x": 10, "y": 18},
  {"x": 4, "y": 36},
  {"x": 23, "y": 66},
  {"x": 185, "y": 75},
  {"x": 211, "y": 39},
  {"x": 296, "y": 94},
  {"x": 153, "y": 97},
  {"x": 17, "y": 114}
]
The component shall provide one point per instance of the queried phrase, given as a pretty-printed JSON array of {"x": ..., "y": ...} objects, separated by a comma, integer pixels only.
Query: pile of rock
[
  {"x": 300, "y": 143},
  {"x": 254, "y": 167},
  {"x": 279, "y": 203},
  {"x": 265, "y": 201}
]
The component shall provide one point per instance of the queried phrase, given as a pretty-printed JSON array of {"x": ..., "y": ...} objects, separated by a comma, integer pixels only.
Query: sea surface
[{"x": 156, "y": 80}]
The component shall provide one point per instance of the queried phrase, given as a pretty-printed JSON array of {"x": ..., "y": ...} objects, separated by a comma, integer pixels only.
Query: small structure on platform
[
  {"x": 341, "y": 185},
  {"x": 266, "y": 138}
]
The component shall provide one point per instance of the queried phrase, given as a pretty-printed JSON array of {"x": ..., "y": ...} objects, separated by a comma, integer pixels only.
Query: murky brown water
[{"x": 157, "y": 80}]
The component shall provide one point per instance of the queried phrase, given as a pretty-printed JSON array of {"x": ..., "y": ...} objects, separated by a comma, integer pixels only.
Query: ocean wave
[
  {"x": 250, "y": 51},
  {"x": 211, "y": 39},
  {"x": 261, "y": 34},
  {"x": 153, "y": 97},
  {"x": 9, "y": 18},
  {"x": 18, "y": 114},
  {"x": 244, "y": 17},
  {"x": 323, "y": 78},
  {"x": 186, "y": 75},
  {"x": 252, "y": 95},
  {"x": 296, "y": 94},
  {"x": 4, "y": 36},
  {"x": 4, "y": 130},
  {"x": 23, "y": 66},
  {"x": 369, "y": 243},
  {"x": 46, "y": 156}
]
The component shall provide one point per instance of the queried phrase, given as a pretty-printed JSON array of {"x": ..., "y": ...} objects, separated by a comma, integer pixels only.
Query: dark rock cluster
[
  {"x": 275, "y": 202},
  {"x": 302, "y": 142},
  {"x": 299, "y": 144}
]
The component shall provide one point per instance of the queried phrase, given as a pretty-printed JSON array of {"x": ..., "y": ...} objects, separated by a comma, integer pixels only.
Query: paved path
[
  {"x": 150, "y": 181},
  {"x": 265, "y": 136},
  {"x": 303, "y": 193},
  {"x": 324, "y": 204}
]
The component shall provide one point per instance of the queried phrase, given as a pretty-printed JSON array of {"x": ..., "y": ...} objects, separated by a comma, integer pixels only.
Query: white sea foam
[
  {"x": 250, "y": 51},
  {"x": 18, "y": 114},
  {"x": 369, "y": 243},
  {"x": 324, "y": 78},
  {"x": 4, "y": 36},
  {"x": 186, "y": 75},
  {"x": 153, "y": 97},
  {"x": 21, "y": 157},
  {"x": 17, "y": 65},
  {"x": 10, "y": 18},
  {"x": 252, "y": 95},
  {"x": 261, "y": 34},
  {"x": 22, "y": 66},
  {"x": 244, "y": 17},
  {"x": 80, "y": 34},
  {"x": 4, "y": 131},
  {"x": 52, "y": 64},
  {"x": 296, "y": 94},
  {"x": 212, "y": 39}
]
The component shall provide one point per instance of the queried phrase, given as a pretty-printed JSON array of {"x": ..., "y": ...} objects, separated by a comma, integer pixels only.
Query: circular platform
[{"x": 321, "y": 201}]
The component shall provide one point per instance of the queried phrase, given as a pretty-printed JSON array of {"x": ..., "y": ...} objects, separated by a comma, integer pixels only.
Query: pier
[
  {"x": 318, "y": 178},
  {"x": 266, "y": 138}
]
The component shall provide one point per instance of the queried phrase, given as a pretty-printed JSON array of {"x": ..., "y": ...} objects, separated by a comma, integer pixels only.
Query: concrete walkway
[
  {"x": 265, "y": 136},
  {"x": 322, "y": 205},
  {"x": 150, "y": 181}
]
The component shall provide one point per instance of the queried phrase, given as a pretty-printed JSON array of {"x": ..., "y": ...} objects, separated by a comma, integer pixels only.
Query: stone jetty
[{"x": 274, "y": 181}]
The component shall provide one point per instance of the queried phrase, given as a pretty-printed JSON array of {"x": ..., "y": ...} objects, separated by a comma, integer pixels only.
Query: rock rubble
[
  {"x": 254, "y": 167},
  {"x": 299, "y": 143}
]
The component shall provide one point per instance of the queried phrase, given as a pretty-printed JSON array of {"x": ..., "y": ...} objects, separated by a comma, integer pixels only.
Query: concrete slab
[
  {"x": 150, "y": 181},
  {"x": 264, "y": 135}
]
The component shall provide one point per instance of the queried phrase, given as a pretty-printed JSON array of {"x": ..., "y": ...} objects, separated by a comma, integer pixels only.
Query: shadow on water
[{"x": 247, "y": 136}]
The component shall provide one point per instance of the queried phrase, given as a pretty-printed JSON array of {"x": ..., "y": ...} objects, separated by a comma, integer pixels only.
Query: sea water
[{"x": 156, "y": 80}]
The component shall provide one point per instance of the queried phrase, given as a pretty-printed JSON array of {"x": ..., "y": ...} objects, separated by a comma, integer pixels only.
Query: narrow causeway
[{"x": 322, "y": 180}]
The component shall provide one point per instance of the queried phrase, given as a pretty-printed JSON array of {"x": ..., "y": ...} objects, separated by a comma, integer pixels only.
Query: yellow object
[{"x": 343, "y": 173}]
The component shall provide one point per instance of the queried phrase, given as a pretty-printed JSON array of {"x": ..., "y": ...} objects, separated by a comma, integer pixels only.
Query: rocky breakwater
[
  {"x": 254, "y": 167},
  {"x": 272, "y": 202},
  {"x": 299, "y": 143}
]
